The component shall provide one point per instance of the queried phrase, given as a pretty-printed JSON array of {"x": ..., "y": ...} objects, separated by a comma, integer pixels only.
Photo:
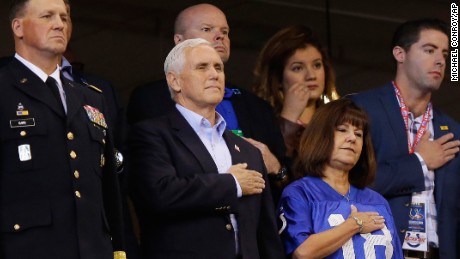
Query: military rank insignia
[
  {"x": 95, "y": 116},
  {"x": 21, "y": 111}
]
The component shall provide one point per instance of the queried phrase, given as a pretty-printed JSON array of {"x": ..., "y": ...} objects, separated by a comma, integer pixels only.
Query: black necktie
[{"x": 52, "y": 84}]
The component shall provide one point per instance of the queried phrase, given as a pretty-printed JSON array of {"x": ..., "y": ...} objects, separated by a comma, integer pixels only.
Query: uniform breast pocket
[
  {"x": 24, "y": 146},
  {"x": 97, "y": 133},
  {"x": 98, "y": 141},
  {"x": 20, "y": 216}
]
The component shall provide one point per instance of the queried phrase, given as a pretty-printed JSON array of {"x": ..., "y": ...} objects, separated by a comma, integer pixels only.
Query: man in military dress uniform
[{"x": 59, "y": 195}]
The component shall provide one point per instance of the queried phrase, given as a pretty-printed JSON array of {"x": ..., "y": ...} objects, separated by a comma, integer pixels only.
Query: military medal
[{"x": 95, "y": 116}]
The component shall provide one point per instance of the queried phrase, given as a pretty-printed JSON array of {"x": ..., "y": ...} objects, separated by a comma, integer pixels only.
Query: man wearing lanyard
[{"x": 416, "y": 144}]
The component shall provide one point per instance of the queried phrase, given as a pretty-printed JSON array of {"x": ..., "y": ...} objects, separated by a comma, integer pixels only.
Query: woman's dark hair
[
  {"x": 317, "y": 142},
  {"x": 268, "y": 73}
]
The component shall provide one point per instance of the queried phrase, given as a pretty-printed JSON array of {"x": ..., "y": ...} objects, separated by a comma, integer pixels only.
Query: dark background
[{"x": 126, "y": 41}]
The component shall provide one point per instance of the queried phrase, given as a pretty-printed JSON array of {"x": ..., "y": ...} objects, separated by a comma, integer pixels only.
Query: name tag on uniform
[
  {"x": 24, "y": 152},
  {"x": 21, "y": 123}
]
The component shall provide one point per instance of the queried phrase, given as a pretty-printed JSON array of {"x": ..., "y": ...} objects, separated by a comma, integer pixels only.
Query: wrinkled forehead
[{"x": 202, "y": 53}]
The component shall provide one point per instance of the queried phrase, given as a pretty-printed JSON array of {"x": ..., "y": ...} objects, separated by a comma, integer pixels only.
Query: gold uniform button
[
  {"x": 73, "y": 154},
  {"x": 17, "y": 227},
  {"x": 77, "y": 193},
  {"x": 228, "y": 227},
  {"x": 76, "y": 174},
  {"x": 70, "y": 136},
  {"x": 23, "y": 133},
  {"x": 102, "y": 160}
]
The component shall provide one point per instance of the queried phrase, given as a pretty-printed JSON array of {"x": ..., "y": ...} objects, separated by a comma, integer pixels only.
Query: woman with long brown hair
[{"x": 293, "y": 73}]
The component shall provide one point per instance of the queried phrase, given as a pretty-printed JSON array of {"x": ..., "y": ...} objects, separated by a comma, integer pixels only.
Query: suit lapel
[
  {"x": 30, "y": 84},
  {"x": 393, "y": 113},
  {"x": 440, "y": 128},
  {"x": 190, "y": 139},
  {"x": 236, "y": 151},
  {"x": 77, "y": 77}
]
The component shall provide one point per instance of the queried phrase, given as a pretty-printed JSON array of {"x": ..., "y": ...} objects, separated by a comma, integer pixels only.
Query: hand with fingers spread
[
  {"x": 271, "y": 162},
  {"x": 370, "y": 221},
  {"x": 295, "y": 100},
  {"x": 251, "y": 181},
  {"x": 438, "y": 152}
]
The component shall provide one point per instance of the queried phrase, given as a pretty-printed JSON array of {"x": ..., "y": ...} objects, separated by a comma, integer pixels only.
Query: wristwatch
[
  {"x": 281, "y": 174},
  {"x": 359, "y": 222}
]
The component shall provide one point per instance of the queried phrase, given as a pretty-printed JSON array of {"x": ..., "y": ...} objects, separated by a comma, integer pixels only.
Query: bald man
[
  {"x": 246, "y": 114},
  {"x": 199, "y": 189}
]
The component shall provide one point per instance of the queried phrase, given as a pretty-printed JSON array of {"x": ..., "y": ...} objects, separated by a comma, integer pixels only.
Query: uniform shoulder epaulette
[{"x": 94, "y": 88}]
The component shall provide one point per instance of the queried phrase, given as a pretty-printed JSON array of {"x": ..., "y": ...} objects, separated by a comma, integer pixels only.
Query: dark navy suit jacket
[
  {"x": 183, "y": 202},
  {"x": 255, "y": 117},
  {"x": 399, "y": 173}
]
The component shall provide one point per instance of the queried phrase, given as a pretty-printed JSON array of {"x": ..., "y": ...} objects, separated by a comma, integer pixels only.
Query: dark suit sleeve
[
  {"x": 258, "y": 121},
  {"x": 112, "y": 198},
  {"x": 399, "y": 176},
  {"x": 110, "y": 184},
  {"x": 167, "y": 179},
  {"x": 269, "y": 241}
]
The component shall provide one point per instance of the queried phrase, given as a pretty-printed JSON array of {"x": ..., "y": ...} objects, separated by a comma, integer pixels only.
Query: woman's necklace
[
  {"x": 335, "y": 188},
  {"x": 347, "y": 196}
]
